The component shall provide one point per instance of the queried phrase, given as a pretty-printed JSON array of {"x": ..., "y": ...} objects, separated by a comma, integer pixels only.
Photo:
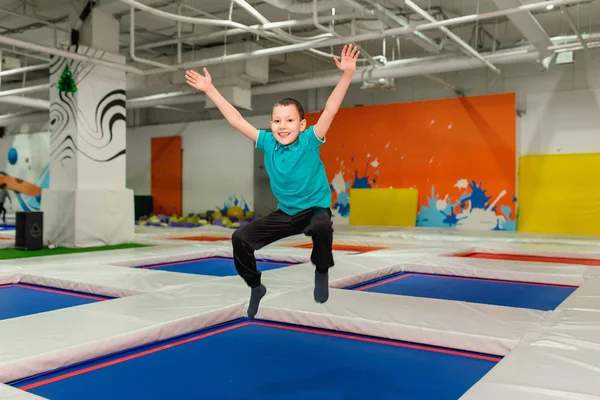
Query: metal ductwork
[
  {"x": 392, "y": 20},
  {"x": 303, "y": 7},
  {"x": 403, "y": 69},
  {"x": 24, "y": 118},
  {"x": 26, "y": 102},
  {"x": 529, "y": 27}
]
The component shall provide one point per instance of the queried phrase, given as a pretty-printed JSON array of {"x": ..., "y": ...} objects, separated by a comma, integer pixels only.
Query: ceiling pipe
[
  {"x": 237, "y": 31},
  {"x": 395, "y": 69},
  {"x": 278, "y": 32},
  {"x": 24, "y": 118},
  {"x": 26, "y": 102},
  {"x": 279, "y": 50},
  {"x": 573, "y": 27},
  {"x": 183, "y": 18},
  {"x": 301, "y": 7},
  {"x": 132, "y": 55},
  {"x": 528, "y": 26},
  {"x": 67, "y": 54},
  {"x": 22, "y": 70},
  {"x": 323, "y": 28},
  {"x": 358, "y": 38},
  {"x": 402, "y": 69},
  {"x": 52, "y": 25},
  {"x": 183, "y": 97},
  {"x": 27, "y": 89},
  {"x": 391, "y": 19},
  {"x": 468, "y": 49}
]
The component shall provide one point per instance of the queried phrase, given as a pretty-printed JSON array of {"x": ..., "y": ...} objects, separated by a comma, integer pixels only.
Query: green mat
[{"x": 9, "y": 254}]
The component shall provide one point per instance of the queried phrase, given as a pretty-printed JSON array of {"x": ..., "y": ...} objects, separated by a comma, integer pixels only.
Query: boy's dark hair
[{"x": 291, "y": 102}]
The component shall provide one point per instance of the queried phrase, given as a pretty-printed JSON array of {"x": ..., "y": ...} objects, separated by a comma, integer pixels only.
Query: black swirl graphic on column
[{"x": 97, "y": 137}]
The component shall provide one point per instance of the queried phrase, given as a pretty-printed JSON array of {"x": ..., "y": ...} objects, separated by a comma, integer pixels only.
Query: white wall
[
  {"x": 562, "y": 122},
  {"x": 218, "y": 162}
]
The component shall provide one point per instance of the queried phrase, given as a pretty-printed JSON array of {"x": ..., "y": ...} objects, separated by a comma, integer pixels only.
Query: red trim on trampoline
[
  {"x": 127, "y": 358},
  {"x": 383, "y": 282},
  {"x": 523, "y": 257},
  {"x": 57, "y": 291},
  {"x": 382, "y": 341},
  {"x": 502, "y": 281},
  {"x": 271, "y": 325},
  {"x": 464, "y": 278}
]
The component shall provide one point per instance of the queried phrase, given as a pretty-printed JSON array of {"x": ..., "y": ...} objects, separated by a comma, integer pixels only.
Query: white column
[{"x": 87, "y": 203}]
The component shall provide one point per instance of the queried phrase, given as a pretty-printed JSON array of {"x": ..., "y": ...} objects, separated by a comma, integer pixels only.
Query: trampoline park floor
[
  {"x": 213, "y": 266},
  {"x": 474, "y": 290},
  {"x": 265, "y": 360},
  {"x": 164, "y": 334},
  {"x": 18, "y": 300}
]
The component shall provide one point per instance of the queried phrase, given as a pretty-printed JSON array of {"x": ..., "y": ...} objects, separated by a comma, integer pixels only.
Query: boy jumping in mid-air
[{"x": 298, "y": 180}]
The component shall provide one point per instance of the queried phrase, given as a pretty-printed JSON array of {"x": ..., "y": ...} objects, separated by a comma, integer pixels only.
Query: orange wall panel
[
  {"x": 166, "y": 176},
  {"x": 460, "y": 154}
]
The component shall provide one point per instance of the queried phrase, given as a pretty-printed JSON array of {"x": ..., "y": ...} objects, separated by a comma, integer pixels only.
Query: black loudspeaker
[{"x": 29, "y": 233}]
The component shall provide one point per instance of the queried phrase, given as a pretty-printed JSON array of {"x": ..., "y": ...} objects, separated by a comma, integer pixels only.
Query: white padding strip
[
  {"x": 520, "y": 271},
  {"x": 44, "y": 342},
  {"x": 10, "y": 393},
  {"x": 168, "y": 254},
  {"x": 541, "y": 250},
  {"x": 457, "y": 325},
  {"x": 347, "y": 271},
  {"x": 9, "y": 274},
  {"x": 108, "y": 280}
]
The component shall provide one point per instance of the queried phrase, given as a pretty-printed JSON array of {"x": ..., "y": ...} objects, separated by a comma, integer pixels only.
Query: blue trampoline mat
[
  {"x": 474, "y": 290},
  {"x": 17, "y": 300},
  {"x": 214, "y": 266},
  {"x": 263, "y": 360}
]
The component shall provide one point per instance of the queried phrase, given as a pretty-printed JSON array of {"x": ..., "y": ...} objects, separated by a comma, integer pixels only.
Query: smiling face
[{"x": 287, "y": 121}]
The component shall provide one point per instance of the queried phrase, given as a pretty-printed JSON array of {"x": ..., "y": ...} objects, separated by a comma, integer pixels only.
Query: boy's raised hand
[
  {"x": 350, "y": 54},
  {"x": 195, "y": 80}
]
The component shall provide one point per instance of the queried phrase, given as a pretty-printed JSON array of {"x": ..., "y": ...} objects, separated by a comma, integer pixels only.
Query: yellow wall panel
[
  {"x": 560, "y": 194},
  {"x": 383, "y": 207}
]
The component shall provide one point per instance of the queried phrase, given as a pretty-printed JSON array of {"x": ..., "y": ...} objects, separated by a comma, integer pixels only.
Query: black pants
[{"x": 314, "y": 222}]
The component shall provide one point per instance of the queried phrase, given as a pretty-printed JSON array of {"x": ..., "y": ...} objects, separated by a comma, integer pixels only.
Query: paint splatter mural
[
  {"x": 471, "y": 210},
  {"x": 459, "y": 153},
  {"x": 25, "y": 169},
  {"x": 234, "y": 201}
]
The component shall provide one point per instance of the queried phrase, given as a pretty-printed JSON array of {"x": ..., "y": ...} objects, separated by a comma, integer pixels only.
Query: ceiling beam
[
  {"x": 394, "y": 21},
  {"x": 529, "y": 27}
]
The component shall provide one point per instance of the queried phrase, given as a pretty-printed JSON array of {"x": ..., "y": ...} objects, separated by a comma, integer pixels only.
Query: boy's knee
[
  {"x": 238, "y": 236},
  {"x": 321, "y": 228}
]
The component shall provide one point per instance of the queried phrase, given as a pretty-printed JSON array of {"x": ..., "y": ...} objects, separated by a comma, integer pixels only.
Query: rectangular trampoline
[
  {"x": 531, "y": 258},
  {"x": 536, "y": 296},
  {"x": 213, "y": 266},
  {"x": 265, "y": 360},
  {"x": 18, "y": 300}
]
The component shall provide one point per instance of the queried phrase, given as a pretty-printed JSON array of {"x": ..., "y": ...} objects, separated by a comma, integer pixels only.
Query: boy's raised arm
[
  {"x": 233, "y": 116},
  {"x": 348, "y": 66}
]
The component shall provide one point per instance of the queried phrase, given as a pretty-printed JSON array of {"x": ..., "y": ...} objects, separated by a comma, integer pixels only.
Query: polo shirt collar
[{"x": 279, "y": 146}]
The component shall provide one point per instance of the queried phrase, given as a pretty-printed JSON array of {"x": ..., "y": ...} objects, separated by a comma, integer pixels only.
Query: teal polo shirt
[{"x": 297, "y": 174}]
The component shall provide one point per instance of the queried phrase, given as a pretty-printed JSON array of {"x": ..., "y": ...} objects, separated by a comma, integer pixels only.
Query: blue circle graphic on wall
[{"x": 13, "y": 156}]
